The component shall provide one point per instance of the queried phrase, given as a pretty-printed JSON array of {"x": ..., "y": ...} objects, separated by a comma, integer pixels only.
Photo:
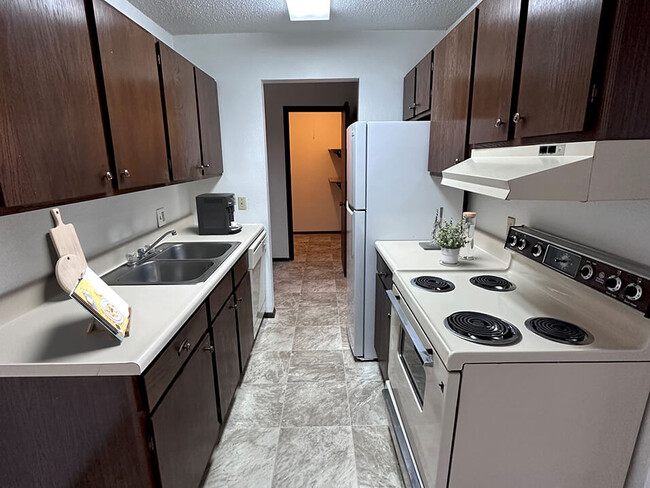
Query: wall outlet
[
  {"x": 241, "y": 203},
  {"x": 160, "y": 216}
]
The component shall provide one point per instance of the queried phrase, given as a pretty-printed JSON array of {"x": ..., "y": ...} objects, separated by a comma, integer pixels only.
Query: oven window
[{"x": 413, "y": 365}]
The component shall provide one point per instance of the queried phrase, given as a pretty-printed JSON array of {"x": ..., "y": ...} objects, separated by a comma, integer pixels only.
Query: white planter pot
[{"x": 449, "y": 256}]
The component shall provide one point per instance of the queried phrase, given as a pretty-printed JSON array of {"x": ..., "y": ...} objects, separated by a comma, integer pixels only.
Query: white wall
[{"x": 240, "y": 62}]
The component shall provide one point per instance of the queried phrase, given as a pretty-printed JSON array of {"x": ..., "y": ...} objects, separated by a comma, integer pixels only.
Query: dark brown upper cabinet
[
  {"x": 52, "y": 145},
  {"x": 132, "y": 87},
  {"x": 209, "y": 127},
  {"x": 423, "y": 72},
  {"x": 494, "y": 70},
  {"x": 181, "y": 115},
  {"x": 408, "y": 101},
  {"x": 417, "y": 89},
  {"x": 450, "y": 96},
  {"x": 557, "y": 65}
]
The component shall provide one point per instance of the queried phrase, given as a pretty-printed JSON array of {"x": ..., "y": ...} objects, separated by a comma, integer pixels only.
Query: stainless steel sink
[
  {"x": 160, "y": 272},
  {"x": 196, "y": 250}
]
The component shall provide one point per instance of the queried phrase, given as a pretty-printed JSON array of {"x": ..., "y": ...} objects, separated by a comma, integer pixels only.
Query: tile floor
[{"x": 307, "y": 414}]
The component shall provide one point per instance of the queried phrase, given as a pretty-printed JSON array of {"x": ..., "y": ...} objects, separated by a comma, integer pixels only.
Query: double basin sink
[{"x": 174, "y": 263}]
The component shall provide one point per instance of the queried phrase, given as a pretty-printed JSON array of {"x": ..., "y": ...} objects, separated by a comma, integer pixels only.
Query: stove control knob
[
  {"x": 587, "y": 271},
  {"x": 537, "y": 250},
  {"x": 512, "y": 240},
  {"x": 633, "y": 292},
  {"x": 521, "y": 245},
  {"x": 613, "y": 283}
]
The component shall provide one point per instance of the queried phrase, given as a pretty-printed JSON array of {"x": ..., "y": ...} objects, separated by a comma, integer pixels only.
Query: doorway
[{"x": 315, "y": 155}]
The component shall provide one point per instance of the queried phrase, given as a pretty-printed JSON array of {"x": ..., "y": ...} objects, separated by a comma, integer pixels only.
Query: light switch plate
[
  {"x": 241, "y": 203},
  {"x": 160, "y": 216}
]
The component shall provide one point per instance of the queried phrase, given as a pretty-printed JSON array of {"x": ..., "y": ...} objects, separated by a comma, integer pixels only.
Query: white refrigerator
[{"x": 390, "y": 196}]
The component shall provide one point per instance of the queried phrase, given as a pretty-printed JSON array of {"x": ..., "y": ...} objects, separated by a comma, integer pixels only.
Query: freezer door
[
  {"x": 356, "y": 165},
  {"x": 356, "y": 256}
]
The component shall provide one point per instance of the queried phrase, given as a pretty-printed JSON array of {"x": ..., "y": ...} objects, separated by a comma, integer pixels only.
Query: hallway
[{"x": 307, "y": 414}]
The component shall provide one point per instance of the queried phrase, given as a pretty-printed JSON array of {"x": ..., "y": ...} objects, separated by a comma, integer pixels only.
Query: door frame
[{"x": 287, "y": 109}]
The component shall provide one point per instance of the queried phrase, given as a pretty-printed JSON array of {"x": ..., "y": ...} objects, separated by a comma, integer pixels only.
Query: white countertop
[
  {"x": 51, "y": 339},
  {"x": 409, "y": 256}
]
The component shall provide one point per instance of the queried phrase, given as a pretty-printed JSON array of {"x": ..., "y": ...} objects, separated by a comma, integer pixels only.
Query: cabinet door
[
  {"x": 557, "y": 64},
  {"x": 52, "y": 144},
  {"x": 452, "y": 79},
  {"x": 494, "y": 69},
  {"x": 130, "y": 73},
  {"x": 180, "y": 114},
  {"x": 408, "y": 111},
  {"x": 226, "y": 355},
  {"x": 423, "y": 84},
  {"x": 208, "y": 107},
  {"x": 382, "y": 326},
  {"x": 185, "y": 424},
  {"x": 245, "y": 328}
]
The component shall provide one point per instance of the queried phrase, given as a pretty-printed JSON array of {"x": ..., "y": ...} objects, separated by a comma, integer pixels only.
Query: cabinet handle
[
  {"x": 381, "y": 274},
  {"x": 185, "y": 346},
  {"x": 125, "y": 173},
  {"x": 498, "y": 123},
  {"x": 209, "y": 349},
  {"x": 517, "y": 117},
  {"x": 108, "y": 176},
  {"x": 441, "y": 385}
]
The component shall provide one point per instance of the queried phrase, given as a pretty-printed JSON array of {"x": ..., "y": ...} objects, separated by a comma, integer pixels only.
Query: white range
[{"x": 532, "y": 376}]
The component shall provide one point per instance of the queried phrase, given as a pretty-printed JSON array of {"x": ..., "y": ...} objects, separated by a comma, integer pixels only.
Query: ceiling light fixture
[{"x": 300, "y": 10}]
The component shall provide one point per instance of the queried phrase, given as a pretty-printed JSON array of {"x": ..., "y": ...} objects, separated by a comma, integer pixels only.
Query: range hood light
[{"x": 300, "y": 10}]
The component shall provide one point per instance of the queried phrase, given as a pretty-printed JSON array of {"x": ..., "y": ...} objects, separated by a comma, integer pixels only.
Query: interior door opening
[{"x": 315, "y": 169}]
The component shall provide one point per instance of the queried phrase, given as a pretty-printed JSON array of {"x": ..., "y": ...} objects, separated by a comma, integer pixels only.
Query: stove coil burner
[
  {"x": 559, "y": 331},
  {"x": 433, "y": 283},
  {"x": 492, "y": 283},
  {"x": 482, "y": 328}
]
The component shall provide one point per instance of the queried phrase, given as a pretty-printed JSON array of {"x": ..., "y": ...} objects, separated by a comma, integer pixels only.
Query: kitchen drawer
[
  {"x": 219, "y": 296},
  {"x": 384, "y": 273},
  {"x": 239, "y": 270},
  {"x": 161, "y": 373}
]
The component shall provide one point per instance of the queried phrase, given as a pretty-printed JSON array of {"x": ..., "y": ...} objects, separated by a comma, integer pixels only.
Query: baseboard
[
  {"x": 317, "y": 232},
  {"x": 269, "y": 315},
  {"x": 281, "y": 259}
]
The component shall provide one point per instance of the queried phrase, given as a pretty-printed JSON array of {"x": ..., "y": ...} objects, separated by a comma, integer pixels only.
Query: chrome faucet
[{"x": 144, "y": 253}]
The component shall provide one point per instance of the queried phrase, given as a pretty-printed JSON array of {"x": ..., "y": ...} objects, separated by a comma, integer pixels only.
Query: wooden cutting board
[
  {"x": 68, "y": 270},
  {"x": 64, "y": 237}
]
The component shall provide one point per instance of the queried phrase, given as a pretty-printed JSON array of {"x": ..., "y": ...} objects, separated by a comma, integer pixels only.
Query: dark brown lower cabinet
[
  {"x": 226, "y": 355},
  {"x": 383, "y": 282},
  {"x": 185, "y": 424},
  {"x": 244, "y": 297}
]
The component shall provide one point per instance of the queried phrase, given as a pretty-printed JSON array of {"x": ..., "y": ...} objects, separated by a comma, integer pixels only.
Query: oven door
[{"x": 424, "y": 396}]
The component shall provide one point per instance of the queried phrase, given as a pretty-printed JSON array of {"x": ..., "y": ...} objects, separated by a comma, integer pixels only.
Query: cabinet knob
[
  {"x": 517, "y": 117},
  {"x": 185, "y": 346},
  {"x": 457, "y": 160},
  {"x": 201, "y": 166},
  {"x": 498, "y": 123},
  {"x": 209, "y": 348},
  {"x": 233, "y": 306},
  {"x": 413, "y": 105},
  {"x": 125, "y": 173},
  {"x": 240, "y": 299},
  {"x": 207, "y": 165},
  {"x": 108, "y": 176}
]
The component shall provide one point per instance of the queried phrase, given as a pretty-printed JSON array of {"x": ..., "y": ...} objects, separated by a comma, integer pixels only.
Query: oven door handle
[{"x": 422, "y": 351}]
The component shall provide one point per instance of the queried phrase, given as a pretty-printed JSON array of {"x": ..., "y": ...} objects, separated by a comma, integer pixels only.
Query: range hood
[{"x": 577, "y": 171}]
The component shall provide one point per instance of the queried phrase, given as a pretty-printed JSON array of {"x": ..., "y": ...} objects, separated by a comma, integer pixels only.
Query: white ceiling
[{"x": 220, "y": 16}]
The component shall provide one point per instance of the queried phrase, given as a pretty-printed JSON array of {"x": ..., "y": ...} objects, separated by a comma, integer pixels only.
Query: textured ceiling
[{"x": 220, "y": 16}]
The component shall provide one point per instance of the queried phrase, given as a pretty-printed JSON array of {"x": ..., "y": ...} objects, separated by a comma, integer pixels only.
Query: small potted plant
[{"x": 450, "y": 237}]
